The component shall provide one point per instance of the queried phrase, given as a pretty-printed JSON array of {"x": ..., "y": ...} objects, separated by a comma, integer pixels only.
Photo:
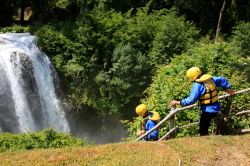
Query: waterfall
[{"x": 28, "y": 100}]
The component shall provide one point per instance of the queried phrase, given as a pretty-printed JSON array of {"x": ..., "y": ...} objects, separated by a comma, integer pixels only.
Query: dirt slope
[{"x": 211, "y": 150}]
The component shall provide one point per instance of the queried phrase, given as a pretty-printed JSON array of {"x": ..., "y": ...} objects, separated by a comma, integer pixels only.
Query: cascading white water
[{"x": 28, "y": 99}]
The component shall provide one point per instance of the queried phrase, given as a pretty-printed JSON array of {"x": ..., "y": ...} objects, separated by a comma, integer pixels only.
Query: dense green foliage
[
  {"x": 204, "y": 13},
  {"x": 219, "y": 59},
  {"x": 15, "y": 29},
  {"x": 241, "y": 38},
  {"x": 112, "y": 54},
  {"x": 107, "y": 60},
  {"x": 37, "y": 140}
]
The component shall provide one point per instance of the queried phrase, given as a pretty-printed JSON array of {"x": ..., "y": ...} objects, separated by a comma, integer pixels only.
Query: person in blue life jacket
[
  {"x": 204, "y": 90},
  {"x": 150, "y": 120}
]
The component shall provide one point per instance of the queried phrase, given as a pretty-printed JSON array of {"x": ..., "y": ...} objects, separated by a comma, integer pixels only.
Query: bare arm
[{"x": 230, "y": 91}]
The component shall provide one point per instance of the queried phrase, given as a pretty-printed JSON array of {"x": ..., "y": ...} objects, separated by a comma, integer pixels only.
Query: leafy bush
[
  {"x": 173, "y": 37},
  {"x": 14, "y": 29},
  {"x": 170, "y": 83},
  {"x": 35, "y": 140},
  {"x": 241, "y": 38},
  {"x": 119, "y": 86},
  {"x": 54, "y": 44}
]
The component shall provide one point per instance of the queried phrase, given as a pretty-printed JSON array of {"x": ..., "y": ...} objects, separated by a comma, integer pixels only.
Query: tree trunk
[
  {"x": 22, "y": 13},
  {"x": 37, "y": 9},
  {"x": 220, "y": 20}
]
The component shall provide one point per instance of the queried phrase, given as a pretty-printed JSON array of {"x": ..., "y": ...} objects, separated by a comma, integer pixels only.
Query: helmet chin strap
[{"x": 197, "y": 78}]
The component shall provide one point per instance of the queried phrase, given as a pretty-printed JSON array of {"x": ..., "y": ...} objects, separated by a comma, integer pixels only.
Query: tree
[
  {"x": 220, "y": 20},
  {"x": 7, "y": 10},
  {"x": 42, "y": 9},
  {"x": 241, "y": 38},
  {"x": 125, "y": 81}
]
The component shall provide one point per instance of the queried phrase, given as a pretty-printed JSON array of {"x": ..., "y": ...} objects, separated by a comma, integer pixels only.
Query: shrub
[
  {"x": 173, "y": 37},
  {"x": 119, "y": 86},
  {"x": 241, "y": 38},
  {"x": 170, "y": 83},
  {"x": 14, "y": 29},
  {"x": 36, "y": 140}
]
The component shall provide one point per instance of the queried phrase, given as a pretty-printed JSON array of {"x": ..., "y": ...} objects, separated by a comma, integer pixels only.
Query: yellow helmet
[
  {"x": 141, "y": 109},
  {"x": 193, "y": 73},
  {"x": 156, "y": 116}
]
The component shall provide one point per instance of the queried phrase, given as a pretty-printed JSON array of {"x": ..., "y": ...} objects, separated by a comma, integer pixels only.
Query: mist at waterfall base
[{"x": 29, "y": 91}]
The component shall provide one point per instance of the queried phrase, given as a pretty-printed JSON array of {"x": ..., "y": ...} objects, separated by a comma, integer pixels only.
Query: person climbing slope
[
  {"x": 205, "y": 91},
  {"x": 150, "y": 119}
]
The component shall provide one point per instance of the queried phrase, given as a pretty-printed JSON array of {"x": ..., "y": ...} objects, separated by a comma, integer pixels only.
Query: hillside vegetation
[
  {"x": 210, "y": 150},
  {"x": 112, "y": 55}
]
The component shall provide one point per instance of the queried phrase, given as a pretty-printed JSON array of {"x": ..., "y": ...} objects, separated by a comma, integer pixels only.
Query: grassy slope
[{"x": 211, "y": 150}]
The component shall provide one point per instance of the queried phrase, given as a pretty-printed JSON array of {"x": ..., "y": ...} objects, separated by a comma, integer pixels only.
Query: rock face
[{"x": 28, "y": 100}]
